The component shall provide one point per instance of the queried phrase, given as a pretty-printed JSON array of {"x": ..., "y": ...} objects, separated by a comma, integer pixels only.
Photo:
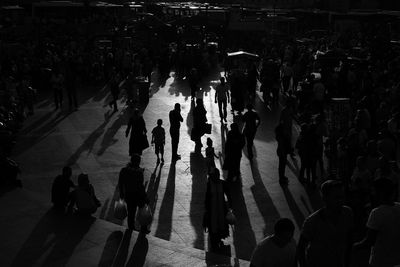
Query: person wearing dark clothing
[
  {"x": 138, "y": 138},
  {"x": 233, "y": 151},
  {"x": 132, "y": 190},
  {"x": 70, "y": 84},
  {"x": 57, "y": 82},
  {"x": 114, "y": 88},
  {"x": 216, "y": 209},
  {"x": 252, "y": 121},
  {"x": 84, "y": 197},
  {"x": 175, "y": 119},
  {"x": 60, "y": 189},
  {"x": 304, "y": 146},
  {"x": 199, "y": 123},
  {"x": 251, "y": 80},
  {"x": 193, "y": 81},
  {"x": 284, "y": 148},
  {"x": 222, "y": 98},
  {"x": 158, "y": 140}
]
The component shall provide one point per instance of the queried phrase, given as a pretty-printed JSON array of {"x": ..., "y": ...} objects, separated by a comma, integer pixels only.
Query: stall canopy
[{"x": 243, "y": 54}]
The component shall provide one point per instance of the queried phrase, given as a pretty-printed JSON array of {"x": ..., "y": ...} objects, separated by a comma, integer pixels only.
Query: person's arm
[
  {"x": 180, "y": 117},
  {"x": 301, "y": 251},
  {"x": 72, "y": 201},
  {"x": 128, "y": 129},
  {"x": 227, "y": 94},
  {"x": 216, "y": 94},
  {"x": 368, "y": 241},
  {"x": 258, "y": 120},
  {"x": 152, "y": 137}
]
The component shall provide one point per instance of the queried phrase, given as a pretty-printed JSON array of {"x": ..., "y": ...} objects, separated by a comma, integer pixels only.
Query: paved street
[{"x": 93, "y": 141}]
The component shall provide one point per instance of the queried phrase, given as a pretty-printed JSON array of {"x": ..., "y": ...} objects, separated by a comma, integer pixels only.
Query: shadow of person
[
  {"x": 167, "y": 206},
  {"x": 199, "y": 186},
  {"x": 110, "y": 249},
  {"x": 123, "y": 249},
  {"x": 139, "y": 252},
  {"x": 108, "y": 138},
  {"x": 294, "y": 208},
  {"x": 58, "y": 232},
  {"x": 89, "y": 142},
  {"x": 152, "y": 187}
]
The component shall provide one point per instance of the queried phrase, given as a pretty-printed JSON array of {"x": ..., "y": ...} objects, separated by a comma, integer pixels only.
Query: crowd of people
[{"x": 357, "y": 158}]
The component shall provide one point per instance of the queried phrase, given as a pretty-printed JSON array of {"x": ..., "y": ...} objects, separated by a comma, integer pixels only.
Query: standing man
[
  {"x": 222, "y": 98},
  {"x": 325, "y": 238},
  {"x": 286, "y": 119},
  {"x": 175, "y": 119},
  {"x": 61, "y": 189},
  {"x": 252, "y": 121},
  {"x": 132, "y": 190}
]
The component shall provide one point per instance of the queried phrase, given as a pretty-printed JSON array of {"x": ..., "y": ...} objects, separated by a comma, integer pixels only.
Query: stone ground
[{"x": 93, "y": 141}]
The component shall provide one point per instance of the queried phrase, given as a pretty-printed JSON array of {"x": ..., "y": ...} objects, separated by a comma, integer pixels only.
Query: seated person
[{"x": 84, "y": 197}]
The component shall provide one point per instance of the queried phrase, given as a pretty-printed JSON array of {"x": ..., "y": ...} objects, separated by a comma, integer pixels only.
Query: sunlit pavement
[{"x": 93, "y": 141}]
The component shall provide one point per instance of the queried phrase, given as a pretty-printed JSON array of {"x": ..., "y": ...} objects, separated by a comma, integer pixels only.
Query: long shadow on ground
[{"x": 55, "y": 232}]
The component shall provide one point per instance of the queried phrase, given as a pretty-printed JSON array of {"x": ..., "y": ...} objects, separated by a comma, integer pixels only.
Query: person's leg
[
  {"x": 282, "y": 166},
  {"x": 249, "y": 141},
  {"x": 221, "y": 115},
  {"x": 157, "y": 151},
  {"x": 131, "y": 206},
  {"x": 162, "y": 152},
  {"x": 224, "y": 104}
]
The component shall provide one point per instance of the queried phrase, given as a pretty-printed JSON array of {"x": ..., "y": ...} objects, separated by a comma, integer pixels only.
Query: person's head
[
  {"x": 159, "y": 122},
  {"x": 284, "y": 229},
  {"x": 304, "y": 127},
  {"x": 361, "y": 163},
  {"x": 135, "y": 160},
  {"x": 83, "y": 179},
  {"x": 177, "y": 107},
  {"x": 372, "y": 147},
  {"x": 67, "y": 171},
  {"x": 332, "y": 193},
  {"x": 209, "y": 142},
  {"x": 383, "y": 189},
  {"x": 249, "y": 106},
  {"x": 222, "y": 80}
]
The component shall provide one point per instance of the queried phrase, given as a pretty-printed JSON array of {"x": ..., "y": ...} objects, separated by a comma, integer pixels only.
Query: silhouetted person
[
  {"x": 158, "y": 139},
  {"x": 114, "y": 89},
  {"x": 233, "y": 151},
  {"x": 60, "y": 189},
  {"x": 282, "y": 151},
  {"x": 132, "y": 190},
  {"x": 326, "y": 236},
  {"x": 175, "y": 119},
  {"x": 70, "y": 83},
  {"x": 216, "y": 209},
  {"x": 199, "y": 123},
  {"x": 57, "y": 83},
  {"x": 252, "y": 121},
  {"x": 222, "y": 98},
  {"x": 304, "y": 147},
  {"x": 210, "y": 155},
  {"x": 251, "y": 81},
  {"x": 84, "y": 197},
  {"x": 138, "y": 138},
  {"x": 278, "y": 249},
  {"x": 193, "y": 81}
]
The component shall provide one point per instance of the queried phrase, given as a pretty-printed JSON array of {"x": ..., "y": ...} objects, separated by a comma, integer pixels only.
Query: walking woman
[
  {"x": 138, "y": 139},
  {"x": 233, "y": 151},
  {"x": 216, "y": 209}
]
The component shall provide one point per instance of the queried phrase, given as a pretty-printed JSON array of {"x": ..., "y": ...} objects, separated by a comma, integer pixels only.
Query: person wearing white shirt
[{"x": 277, "y": 250}]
